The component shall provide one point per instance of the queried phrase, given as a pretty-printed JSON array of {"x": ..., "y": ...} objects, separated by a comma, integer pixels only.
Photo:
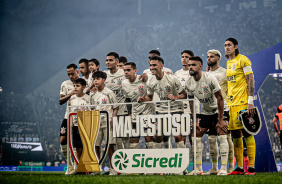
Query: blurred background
[{"x": 40, "y": 38}]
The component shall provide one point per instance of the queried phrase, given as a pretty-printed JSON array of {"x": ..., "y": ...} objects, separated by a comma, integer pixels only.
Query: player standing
[
  {"x": 241, "y": 87},
  {"x": 66, "y": 91},
  {"x": 104, "y": 96},
  {"x": 84, "y": 70},
  {"x": 167, "y": 87},
  {"x": 206, "y": 89},
  {"x": 133, "y": 88},
  {"x": 115, "y": 77},
  {"x": 122, "y": 61},
  {"x": 78, "y": 99},
  {"x": 93, "y": 65},
  {"x": 277, "y": 117},
  {"x": 213, "y": 59}
]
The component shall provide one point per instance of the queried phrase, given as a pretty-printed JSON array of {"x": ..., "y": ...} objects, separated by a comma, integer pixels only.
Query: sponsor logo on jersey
[{"x": 141, "y": 89}]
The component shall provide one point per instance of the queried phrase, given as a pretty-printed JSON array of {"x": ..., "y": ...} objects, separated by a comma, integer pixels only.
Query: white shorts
[{"x": 103, "y": 133}]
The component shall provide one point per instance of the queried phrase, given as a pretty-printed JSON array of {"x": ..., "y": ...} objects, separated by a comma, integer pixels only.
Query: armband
[{"x": 251, "y": 100}]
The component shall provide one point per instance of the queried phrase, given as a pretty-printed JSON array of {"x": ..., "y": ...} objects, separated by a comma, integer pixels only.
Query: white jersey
[
  {"x": 106, "y": 96},
  {"x": 204, "y": 90},
  {"x": 75, "y": 100},
  {"x": 66, "y": 88},
  {"x": 182, "y": 76},
  {"x": 114, "y": 83},
  {"x": 132, "y": 91},
  {"x": 220, "y": 75},
  {"x": 90, "y": 80},
  {"x": 169, "y": 84}
]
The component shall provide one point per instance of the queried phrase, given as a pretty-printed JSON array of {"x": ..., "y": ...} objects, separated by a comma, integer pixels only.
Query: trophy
[{"x": 88, "y": 126}]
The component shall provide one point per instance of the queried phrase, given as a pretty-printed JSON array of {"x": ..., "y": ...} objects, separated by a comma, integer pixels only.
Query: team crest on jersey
[
  {"x": 104, "y": 101},
  {"x": 83, "y": 108},
  {"x": 251, "y": 120},
  {"x": 167, "y": 89},
  {"x": 141, "y": 89},
  {"x": 63, "y": 130},
  {"x": 234, "y": 67},
  {"x": 206, "y": 89},
  {"x": 119, "y": 81}
]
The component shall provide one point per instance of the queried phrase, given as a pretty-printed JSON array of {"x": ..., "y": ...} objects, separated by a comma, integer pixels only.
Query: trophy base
[{"x": 88, "y": 167}]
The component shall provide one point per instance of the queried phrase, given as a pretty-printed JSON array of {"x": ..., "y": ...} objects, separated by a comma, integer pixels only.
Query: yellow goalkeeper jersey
[{"x": 236, "y": 80}]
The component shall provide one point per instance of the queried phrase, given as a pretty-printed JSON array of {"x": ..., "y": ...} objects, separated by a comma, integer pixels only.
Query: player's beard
[
  {"x": 194, "y": 73},
  {"x": 211, "y": 63}
]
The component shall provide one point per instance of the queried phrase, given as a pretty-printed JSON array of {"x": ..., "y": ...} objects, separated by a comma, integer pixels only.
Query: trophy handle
[{"x": 107, "y": 143}]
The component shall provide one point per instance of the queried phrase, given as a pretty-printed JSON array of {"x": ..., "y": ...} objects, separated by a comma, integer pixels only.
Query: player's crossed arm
[
  {"x": 146, "y": 98},
  {"x": 64, "y": 98}
]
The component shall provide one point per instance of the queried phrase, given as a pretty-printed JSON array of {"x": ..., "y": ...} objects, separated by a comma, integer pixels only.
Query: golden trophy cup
[{"x": 88, "y": 126}]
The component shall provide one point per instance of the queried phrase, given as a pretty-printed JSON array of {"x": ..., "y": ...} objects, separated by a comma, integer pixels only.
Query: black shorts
[
  {"x": 63, "y": 131},
  {"x": 209, "y": 122},
  {"x": 226, "y": 116},
  {"x": 76, "y": 137}
]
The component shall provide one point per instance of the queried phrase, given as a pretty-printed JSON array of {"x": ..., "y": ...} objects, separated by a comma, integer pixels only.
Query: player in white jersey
[
  {"x": 93, "y": 66},
  {"x": 133, "y": 87},
  {"x": 206, "y": 89},
  {"x": 168, "y": 88},
  {"x": 156, "y": 98},
  {"x": 114, "y": 80},
  {"x": 182, "y": 75},
  {"x": 213, "y": 59},
  {"x": 84, "y": 71},
  {"x": 66, "y": 92},
  {"x": 104, "y": 96},
  {"x": 78, "y": 99},
  {"x": 121, "y": 61}
]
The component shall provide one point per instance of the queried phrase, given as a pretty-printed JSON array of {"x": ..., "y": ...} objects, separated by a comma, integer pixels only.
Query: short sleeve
[
  {"x": 177, "y": 84},
  {"x": 113, "y": 99},
  {"x": 63, "y": 90},
  {"x": 150, "y": 91},
  {"x": 214, "y": 85}
]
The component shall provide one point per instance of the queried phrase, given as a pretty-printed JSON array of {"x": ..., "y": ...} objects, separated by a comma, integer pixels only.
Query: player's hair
[
  {"x": 96, "y": 62},
  {"x": 122, "y": 59},
  {"x": 190, "y": 52},
  {"x": 157, "y": 58},
  {"x": 72, "y": 66},
  {"x": 85, "y": 61},
  {"x": 279, "y": 109},
  {"x": 216, "y": 52},
  {"x": 155, "y": 52},
  {"x": 113, "y": 54},
  {"x": 235, "y": 42},
  {"x": 196, "y": 58},
  {"x": 132, "y": 64},
  {"x": 80, "y": 81},
  {"x": 98, "y": 74}
]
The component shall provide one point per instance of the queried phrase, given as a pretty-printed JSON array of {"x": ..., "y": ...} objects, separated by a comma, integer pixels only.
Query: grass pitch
[{"x": 59, "y": 177}]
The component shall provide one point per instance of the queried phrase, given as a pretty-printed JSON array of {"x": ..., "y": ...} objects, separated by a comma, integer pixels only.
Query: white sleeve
[{"x": 214, "y": 85}]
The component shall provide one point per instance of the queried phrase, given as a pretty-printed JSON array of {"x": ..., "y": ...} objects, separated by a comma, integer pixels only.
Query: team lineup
[{"x": 219, "y": 95}]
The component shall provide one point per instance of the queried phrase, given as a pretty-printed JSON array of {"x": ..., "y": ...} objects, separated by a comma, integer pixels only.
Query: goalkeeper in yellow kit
[{"x": 240, "y": 96}]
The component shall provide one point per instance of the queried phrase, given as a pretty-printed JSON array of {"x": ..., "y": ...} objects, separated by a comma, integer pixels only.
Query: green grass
[{"x": 59, "y": 177}]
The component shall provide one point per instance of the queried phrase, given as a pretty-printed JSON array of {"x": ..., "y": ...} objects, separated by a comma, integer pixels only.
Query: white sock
[
  {"x": 180, "y": 144},
  {"x": 198, "y": 152},
  {"x": 150, "y": 145},
  {"x": 165, "y": 144},
  {"x": 157, "y": 145},
  {"x": 213, "y": 151},
  {"x": 224, "y": 148},
  {"x": 231, "y": 151},
  {"x": 134, "y": 145}
]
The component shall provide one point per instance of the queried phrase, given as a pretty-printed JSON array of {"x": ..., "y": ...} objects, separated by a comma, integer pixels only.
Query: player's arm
[
  {"x": 145, "y": 99},
  {"x": 128, "y": 106},
  {"x": 182, "y": 95},
  {"x": 275, "y": 126},
  {"x": 143, "y": 77},
  {"x": 251, "y": 88},
  {"x": 115, "y": 111},
  {"x": 220, "y": 105},
  {"x": 191, "y": 104},
  {"x": 64, "y": 98}
]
